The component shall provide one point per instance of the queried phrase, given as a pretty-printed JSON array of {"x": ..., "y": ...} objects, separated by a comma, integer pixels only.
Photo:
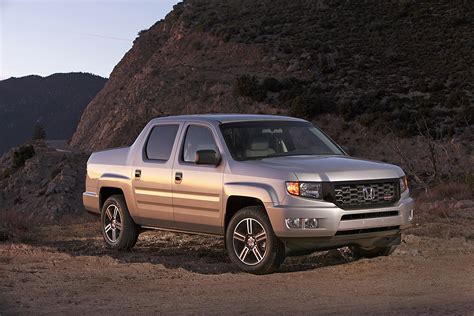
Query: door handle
[
  {"x": 138, "y": 173},
  {"x": 178, "y": 177}
]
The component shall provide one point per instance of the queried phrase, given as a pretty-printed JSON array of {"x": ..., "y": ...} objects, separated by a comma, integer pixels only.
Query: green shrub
[
  {"x": 140, "y": 33},
  {"x": 291, "y": 88},
  {"x": 469, "y": 181},
  {"x": 39, "y": 132},
  {"x": 457, "y": 98},
  {"x": 197, "y": 45},
  {"x": 248, "y": 86},
  {"x": 310, "y": 105},
  {"x": 21, "y": 155},
  {"x": 368, "y": 119},
  {"x": 348, "y": 110},
  {"x": 271, "y": 84}
]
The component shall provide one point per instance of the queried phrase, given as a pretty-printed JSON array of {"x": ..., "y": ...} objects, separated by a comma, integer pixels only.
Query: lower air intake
[{"x": 366, "y": 230}]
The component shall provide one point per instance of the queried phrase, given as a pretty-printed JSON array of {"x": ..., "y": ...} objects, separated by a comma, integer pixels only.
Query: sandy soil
[{"x": 68, "y": 270}]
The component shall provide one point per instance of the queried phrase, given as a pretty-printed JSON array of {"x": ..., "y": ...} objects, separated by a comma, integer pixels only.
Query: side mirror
[
  {"x": 348, "y": 150},
  {"x": 207, "y": 157}
]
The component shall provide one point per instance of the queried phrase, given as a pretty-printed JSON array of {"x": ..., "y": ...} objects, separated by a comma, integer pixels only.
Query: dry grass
[
  {"x": 445, "y": 210},
  {"x": 451, "y": 191},
  {"x": 18, "y": 226}
]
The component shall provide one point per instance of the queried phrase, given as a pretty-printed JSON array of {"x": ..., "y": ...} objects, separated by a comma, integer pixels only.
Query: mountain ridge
[{"x": 55, "y": 101}]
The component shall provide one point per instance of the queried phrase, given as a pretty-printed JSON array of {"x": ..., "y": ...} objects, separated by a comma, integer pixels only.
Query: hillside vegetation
[{"x": 398, "y": 66}]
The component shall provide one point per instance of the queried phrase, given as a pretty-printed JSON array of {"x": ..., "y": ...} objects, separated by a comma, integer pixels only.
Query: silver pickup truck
[{"x": 271, "y": 185}]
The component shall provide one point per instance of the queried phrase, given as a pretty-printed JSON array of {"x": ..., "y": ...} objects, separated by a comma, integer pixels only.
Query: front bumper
[{"x": 330, "y": 221}]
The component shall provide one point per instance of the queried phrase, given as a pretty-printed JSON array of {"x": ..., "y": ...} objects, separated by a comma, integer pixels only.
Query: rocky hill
[
  {"x": 394, "y": 65},
  {"x": 56, "y": 102},
  {"x": 41, "y": 182}
]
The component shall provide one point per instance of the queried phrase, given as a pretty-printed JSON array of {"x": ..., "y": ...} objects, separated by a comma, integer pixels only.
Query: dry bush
[
  {"x": 454, "y": 191},
  {"x": 443, "y": 201},
  {"x": 429, "y": 162},
  {"x": 18, "y": 226},
  {"x": 433, "y": 212}
]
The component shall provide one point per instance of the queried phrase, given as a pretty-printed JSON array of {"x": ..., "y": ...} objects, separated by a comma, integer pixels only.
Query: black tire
[
  {"x": 267, "y": 251},
  {"x": 127, "y": 236},
  {"x": 360, "y": 252}
]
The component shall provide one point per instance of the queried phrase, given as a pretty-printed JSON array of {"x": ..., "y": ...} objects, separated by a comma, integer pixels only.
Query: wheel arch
[
  {"x": 105, "y": 192},
  {"x": 238, "y": 202},
  {"x": 242, "y": 194}
]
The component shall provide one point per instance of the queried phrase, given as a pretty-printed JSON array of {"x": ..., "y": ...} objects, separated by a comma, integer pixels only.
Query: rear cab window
[{"x": 160, "y": 142}]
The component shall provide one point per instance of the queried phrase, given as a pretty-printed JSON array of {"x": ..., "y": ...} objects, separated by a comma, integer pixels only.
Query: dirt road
[{"x": 69, "y": 270}]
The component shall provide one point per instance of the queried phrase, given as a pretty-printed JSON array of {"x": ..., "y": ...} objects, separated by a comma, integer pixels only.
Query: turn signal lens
[{"x": 293, "y": 188}]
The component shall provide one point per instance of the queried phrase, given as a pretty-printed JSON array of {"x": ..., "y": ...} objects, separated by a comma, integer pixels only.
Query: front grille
[
  {"x": 365, "y": 230},
  {"x": 366, "y": 194},
  {"x": 349, "y": 217}
]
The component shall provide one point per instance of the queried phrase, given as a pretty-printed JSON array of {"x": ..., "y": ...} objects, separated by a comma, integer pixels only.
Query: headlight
[
  {"x": 403, "y": 184},
  {"x": 312, "y": 190}
]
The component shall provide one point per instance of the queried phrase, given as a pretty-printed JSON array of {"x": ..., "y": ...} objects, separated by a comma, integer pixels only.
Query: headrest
[{"x": 259, "y": 143}]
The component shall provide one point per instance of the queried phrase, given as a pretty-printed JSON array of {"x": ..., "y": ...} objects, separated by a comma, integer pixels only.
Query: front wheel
[
  {"x": 118, "y": 228},
  {"x": 251, "y": 242}
]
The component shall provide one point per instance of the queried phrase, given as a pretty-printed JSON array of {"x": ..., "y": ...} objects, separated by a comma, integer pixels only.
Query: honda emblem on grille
[{"x": 368, "y": 193}]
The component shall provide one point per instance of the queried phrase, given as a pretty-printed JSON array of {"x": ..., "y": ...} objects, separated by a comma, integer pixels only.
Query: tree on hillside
[{"x": 39, "y": 132}]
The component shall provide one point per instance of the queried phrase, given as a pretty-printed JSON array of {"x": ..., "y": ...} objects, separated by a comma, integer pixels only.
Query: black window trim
[
  {"x": 183, "y": 141},
  {"x": 163, "y": 161}
]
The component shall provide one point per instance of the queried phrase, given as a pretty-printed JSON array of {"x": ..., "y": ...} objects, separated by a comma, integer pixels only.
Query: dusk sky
[{"x": 44, "y": 37}]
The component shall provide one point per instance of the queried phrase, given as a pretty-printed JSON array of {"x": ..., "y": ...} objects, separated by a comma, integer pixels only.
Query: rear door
[
  {"x": 197, "y": 189},
  {"x": 152, "y": 176}
]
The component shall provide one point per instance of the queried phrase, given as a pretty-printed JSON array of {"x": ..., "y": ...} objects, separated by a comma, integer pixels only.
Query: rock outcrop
[{"x": 46, "y": 184}]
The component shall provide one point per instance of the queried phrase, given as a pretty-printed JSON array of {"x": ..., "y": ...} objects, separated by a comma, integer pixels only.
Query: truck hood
[{"x": 332, "y": 168}]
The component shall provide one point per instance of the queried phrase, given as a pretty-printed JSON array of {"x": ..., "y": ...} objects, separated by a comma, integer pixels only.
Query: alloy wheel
[
  {"x": 112, "y": 223},
  {"x": 249, "y": 241}
]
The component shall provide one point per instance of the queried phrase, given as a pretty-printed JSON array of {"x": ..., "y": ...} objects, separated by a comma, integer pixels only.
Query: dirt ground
[{"x": 66, "y": 269}]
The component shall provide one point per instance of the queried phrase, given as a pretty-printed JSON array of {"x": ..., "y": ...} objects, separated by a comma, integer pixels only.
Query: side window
[
  {"x": 197, "y": 138},
  {"x": 160, "y": 142}
]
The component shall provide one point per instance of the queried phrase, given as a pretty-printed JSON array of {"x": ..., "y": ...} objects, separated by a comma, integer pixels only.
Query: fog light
[
  {"x": 311, "y": 223},
  {"x": 293, "y": 223},
  {"x": 410, "y": 216}
]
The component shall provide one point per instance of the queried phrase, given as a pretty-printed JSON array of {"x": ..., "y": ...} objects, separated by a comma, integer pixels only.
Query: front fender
[{"x": 261, "y": 191}]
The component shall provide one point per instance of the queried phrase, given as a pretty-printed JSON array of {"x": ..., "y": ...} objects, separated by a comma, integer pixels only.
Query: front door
[{"x": 197, "y": 189}]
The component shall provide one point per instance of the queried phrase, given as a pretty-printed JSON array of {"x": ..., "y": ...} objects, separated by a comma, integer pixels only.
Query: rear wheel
[
  {"x": 360, "y": 252},
  {"x": 251, "y": 242},
  {"x": 118, "y": 228}
]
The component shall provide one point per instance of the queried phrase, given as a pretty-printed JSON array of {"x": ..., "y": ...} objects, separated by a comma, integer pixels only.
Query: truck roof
[{"x": 226, "y": 118}]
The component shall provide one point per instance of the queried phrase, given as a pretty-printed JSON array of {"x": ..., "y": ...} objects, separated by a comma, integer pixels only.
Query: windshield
[{"x": 257, "y": 140}]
